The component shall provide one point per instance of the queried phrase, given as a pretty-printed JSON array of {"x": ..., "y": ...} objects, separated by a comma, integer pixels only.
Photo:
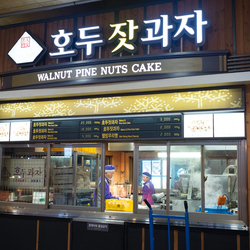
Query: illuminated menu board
[
  {"x": 110, "y": 128},
  {"x": 229, "y": 125}
]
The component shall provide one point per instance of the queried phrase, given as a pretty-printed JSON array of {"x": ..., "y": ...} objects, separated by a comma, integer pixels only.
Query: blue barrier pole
[
  {"x": 151, "y": 229},
  {"x": 169, "y": 245},
  {"x": 187, "y": 231},
  {"x": 168, "y": 217},
  {"x": 187, "y": 226},
  {"x": 151, "y": 226}
]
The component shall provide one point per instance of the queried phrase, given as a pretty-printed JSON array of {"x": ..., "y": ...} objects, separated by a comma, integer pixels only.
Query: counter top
[{"x": 197, "y": 220}]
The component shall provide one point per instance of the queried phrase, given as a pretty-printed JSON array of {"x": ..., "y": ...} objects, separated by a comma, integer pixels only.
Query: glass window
[
  {"x": 118, "y": 183},
  {"x": 152, "y": 176},
  {"x": 208, "y": 182},
  {"x": 74, "y": 175},
  {"x": 221, "y": 185},
  {"x": 185, "y": 173},
  {"x": 23, "y": 172}
]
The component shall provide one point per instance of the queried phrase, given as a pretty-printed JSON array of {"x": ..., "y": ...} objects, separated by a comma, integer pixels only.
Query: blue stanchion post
[
  {"x": 151, "y": 229},
  {"x": 168, "y": 217},
  {"x": 169, "y": 244},
  {"x": 151, "y": 226},
  {"x": 187, "y": 226}
]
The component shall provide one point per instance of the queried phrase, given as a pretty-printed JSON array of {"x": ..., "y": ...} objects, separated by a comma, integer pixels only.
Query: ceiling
[{"x": 18, "y": 11}]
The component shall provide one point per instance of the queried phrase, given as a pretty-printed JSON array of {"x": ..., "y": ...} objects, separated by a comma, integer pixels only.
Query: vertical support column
[
  {"x": 202, "y": 180},
  {"x": 238, "y": 242},
  {"x": 102, "y": 178},
  {"x": 202, "y": 241},
  {"x": 100, "y": 53},
  {"x": 69, "y": 232},
  {"x": 168, "y": 179},
  {"x": 37, "y": 234},
  {"x": 47, "y": 176},
  {"x": 143, "y": 239},
  {"x": 176, "y": 247},
  {"x": 74, "y": 165},
  {"x": 135, "y": 177}
]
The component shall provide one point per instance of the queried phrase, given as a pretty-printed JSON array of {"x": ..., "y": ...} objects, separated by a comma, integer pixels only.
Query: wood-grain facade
[{"x": 228, "y": 30}]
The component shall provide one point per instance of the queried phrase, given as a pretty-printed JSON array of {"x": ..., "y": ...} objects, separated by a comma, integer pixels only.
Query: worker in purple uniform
[
  {"x": 109, "y": 173},
  {"x": 148, "y": 188}
]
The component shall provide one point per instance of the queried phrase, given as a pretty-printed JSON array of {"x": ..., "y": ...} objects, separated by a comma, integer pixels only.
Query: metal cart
[{"x": 168, "y": 217}]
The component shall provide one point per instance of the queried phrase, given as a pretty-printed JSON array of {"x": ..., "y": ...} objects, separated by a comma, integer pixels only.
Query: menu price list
[{"x": 119, "y": 128}]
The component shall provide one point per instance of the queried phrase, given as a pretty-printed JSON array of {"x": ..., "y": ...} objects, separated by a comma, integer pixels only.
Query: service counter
[
  {"x": 66, "y": 229},
  {"x": 63, "y": 188}
]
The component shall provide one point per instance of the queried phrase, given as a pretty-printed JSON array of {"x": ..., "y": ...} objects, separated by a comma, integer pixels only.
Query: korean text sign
[{"x": 161, "y": 30}]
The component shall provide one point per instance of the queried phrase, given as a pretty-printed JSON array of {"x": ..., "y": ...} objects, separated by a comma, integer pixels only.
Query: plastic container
[
  {"x": 119, "y": 205},
  {"x": 215, "y": 209}
]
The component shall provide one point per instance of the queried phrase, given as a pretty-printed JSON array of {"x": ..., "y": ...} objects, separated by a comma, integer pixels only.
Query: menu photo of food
[
  {"x": 198, "y": 125},
  {"x": 20, "y": 131},
  {"x": 5, "y": 131}
]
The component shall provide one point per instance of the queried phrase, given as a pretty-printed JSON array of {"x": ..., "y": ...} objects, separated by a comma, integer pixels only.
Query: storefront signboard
[
  {"x": 161, "y": 30},
  {"x": 27, "y": 51},
  {"x": 124, "y": 37},
  {"x": 110, "y": 128},
  {"x": 176, "y": 126},
  {"x": 157, "y": 103},
  {"x": 120, "y": 69},
  {"x": 173, "y": 126}
]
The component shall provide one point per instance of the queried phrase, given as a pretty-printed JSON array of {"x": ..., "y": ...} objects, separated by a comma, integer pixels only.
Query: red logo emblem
[{"x": 25, "y": 42}]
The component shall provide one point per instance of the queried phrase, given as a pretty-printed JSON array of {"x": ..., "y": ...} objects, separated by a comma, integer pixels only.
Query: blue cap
[
  {"x": 109, "y": 168},
  {"x": 147, "y": 174}
]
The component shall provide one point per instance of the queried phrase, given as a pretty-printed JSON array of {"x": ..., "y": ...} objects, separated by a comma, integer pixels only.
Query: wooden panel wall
[
  {"x": 242, "y": 26},
  {"x": 219, "y": 36},
  {"x": 154, "y": 11},
  {"x": 52, "y": 29},
  {"x": 104, "y": 20},
  {"x": 136, "y": 14},
  {"x": 187, "y": 7}
]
